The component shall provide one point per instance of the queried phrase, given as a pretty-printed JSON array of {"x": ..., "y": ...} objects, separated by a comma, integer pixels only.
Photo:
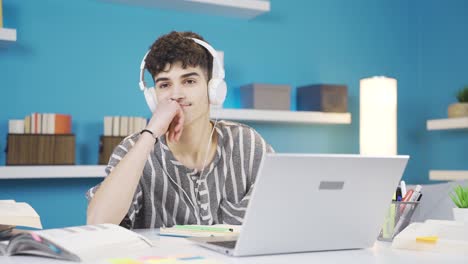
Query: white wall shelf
[
  {"x": 448, "y": 175},
  {"x": 93, "y": 171},
  {"x": 276, "y": 116},
  {"x": 246, "y": 9},
  {"x": 448, "y": 123},
  {"x": 7, "y": 35},
  {"x": 53, "y": 171}
]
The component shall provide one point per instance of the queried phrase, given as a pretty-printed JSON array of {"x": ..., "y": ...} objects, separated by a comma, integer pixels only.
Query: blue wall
[
  {"x": 82, "y": 58},
  {"x": 443, "y": 67}
]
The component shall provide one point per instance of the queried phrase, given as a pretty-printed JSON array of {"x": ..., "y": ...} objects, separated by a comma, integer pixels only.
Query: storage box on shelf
[
  {"x": 107, "y": 145},
  {"x": 38, "y": 149},
  {"x": 266, "y": 96},
  {"x": 323, "y": 98}
]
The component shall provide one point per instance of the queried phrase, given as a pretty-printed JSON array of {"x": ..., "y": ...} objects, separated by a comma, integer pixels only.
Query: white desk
[{"x": 381, "y": 253}]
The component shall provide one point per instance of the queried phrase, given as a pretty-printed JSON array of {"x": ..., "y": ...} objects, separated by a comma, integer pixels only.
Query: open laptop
[{"x": 314, "y": 202}]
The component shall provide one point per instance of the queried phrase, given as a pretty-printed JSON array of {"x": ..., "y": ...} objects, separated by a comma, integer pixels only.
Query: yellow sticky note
[{"x": 427, "y": 239}]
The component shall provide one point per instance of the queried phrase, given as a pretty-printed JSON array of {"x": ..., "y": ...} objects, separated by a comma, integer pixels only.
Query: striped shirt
[{"x": 169, "y": 193}]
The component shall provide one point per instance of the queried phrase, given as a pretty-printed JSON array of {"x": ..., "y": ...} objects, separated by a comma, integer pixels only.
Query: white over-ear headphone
[{"x": 217, "y": 88}]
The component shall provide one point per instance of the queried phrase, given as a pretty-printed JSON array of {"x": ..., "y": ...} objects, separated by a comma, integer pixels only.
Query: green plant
[
  {"x": 462, "y": 95},
  {"x": 460, "y": 196}
]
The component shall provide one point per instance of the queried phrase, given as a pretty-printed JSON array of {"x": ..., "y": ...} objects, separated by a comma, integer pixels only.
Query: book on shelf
[
  {"x": 61, "y": 124},
  {"x": 200, "y": 230},
  {"x": 15, "y": 126},
  {"x": 122, "y": 126},
  {"x": 27, "y": 124},
  {"x": 34, "y": 123},
  {"x": 107, "y": 126},
  {"x": 42, "y": 123},
  {"x": 78, "y": 243},
  {"x": 14, "y": 214},
  {"x": 131, "y": 125},
  {"x": 116, "y": 126}
]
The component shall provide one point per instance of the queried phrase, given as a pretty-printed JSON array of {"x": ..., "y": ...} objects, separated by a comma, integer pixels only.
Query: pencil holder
[{"x": 398, "y": 217}]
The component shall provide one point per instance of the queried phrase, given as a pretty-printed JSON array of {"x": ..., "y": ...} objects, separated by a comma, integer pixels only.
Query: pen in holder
[{"x": 398, "y": 217}]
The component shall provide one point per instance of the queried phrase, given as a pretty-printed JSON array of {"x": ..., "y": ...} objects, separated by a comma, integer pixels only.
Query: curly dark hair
[{"x": 178, "y": 47}]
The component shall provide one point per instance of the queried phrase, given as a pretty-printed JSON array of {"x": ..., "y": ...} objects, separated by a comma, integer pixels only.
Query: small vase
[
  {"x": 460, "y": 214},
  {"x": 458, "y": 110}
]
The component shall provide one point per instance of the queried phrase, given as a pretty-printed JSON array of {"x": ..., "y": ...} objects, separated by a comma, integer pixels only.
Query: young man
[{"x": 183, "y": 168}]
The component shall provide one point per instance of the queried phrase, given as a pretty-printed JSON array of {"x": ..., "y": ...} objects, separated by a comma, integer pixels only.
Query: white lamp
[{"x": 378, "y": 116}]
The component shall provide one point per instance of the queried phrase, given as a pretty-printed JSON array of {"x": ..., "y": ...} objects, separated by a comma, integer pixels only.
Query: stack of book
[
  {"x": 123, "y": 125},
  {"x": 41, "y": 123},
  {"x": 41, "y": 139}
]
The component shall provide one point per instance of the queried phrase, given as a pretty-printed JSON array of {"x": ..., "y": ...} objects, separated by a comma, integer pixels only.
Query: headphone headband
[
  {"x": 216, "y": 85},
  {"x": 217, "y": 71}
]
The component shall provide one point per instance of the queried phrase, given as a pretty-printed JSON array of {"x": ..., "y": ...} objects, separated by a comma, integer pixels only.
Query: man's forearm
[{"x": 114, "y": 196}]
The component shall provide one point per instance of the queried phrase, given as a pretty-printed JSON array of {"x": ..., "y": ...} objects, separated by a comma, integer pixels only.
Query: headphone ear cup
[
  {"x": 217, "y": 90},
  {"x": 150, "y": 96}
]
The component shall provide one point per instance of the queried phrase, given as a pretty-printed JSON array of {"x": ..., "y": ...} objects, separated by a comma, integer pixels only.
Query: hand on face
[{"x": 168, "y": 118}]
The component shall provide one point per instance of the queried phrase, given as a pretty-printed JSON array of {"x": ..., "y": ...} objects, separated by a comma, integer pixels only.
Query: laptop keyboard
[{"x": 226, "y": 244}]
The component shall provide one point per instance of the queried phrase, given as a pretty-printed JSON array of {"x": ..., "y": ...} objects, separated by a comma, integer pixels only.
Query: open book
[
  {"x": 17, "y": 214},
  {"x": 80, "y": 243},
  {"x": 200, "y": 230}
]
